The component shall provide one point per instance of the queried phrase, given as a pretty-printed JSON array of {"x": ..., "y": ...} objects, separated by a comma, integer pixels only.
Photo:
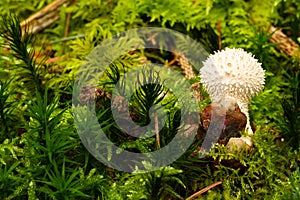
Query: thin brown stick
[
  {"x": 157, "y": 129},
  {"x": 220, "y": 34},
  {"x": 204, "y": 190},
  {"x": 172, "y": 61},
  {"x": 66, "y": 30}
]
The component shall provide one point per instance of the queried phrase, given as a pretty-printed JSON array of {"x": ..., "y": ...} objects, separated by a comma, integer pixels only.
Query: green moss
[{"x": 41, "y": 155}]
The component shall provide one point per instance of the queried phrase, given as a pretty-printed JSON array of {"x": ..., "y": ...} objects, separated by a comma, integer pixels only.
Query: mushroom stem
[{"x": 244, "y": 109}]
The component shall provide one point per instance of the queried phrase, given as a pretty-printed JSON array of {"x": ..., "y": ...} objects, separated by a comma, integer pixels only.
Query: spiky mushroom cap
[{"x": 232, "y": 77}]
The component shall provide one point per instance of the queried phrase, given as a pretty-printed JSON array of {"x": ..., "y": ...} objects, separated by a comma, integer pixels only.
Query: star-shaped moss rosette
[{"x": 232, "y": 77}]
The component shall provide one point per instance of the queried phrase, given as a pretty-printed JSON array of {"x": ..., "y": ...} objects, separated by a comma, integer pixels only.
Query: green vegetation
[{"x": 41, "y": 154}]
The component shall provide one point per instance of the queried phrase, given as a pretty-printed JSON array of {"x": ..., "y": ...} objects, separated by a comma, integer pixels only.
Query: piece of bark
[
  {"x": 235, "y": 122},
  {"x": 43, "y": 18},
  {"x": 287, "y": 45}
]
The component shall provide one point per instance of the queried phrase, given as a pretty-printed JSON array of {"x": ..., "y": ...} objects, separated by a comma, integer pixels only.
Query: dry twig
[
  {"x": 157, "y": 129},
  {"x": 287, "y": 45},
  {"x": 43, "y": 18}
]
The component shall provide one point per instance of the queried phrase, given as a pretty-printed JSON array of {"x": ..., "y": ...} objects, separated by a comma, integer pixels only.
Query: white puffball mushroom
[{"x": 232, "y": 77}]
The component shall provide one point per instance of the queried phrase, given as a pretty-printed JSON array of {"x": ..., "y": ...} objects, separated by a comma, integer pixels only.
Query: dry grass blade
[{"x": 204, "y": 190}]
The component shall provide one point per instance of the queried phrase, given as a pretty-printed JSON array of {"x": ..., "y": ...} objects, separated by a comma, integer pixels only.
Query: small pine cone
[
  {"x": 185, "y": 66},
  {"x": 120, "y": 104},
  {"x": 102, "y": 94},
  {"x": 189, "y": 73},
  {"x": 134, "y": 115},
  {"x": 89, "y": 93}
]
